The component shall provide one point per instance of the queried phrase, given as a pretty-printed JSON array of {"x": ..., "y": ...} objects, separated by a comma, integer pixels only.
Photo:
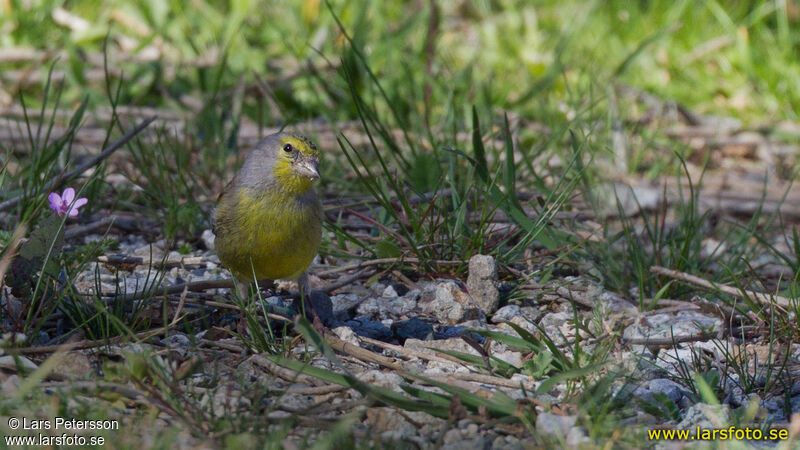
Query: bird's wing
[{"x": 228, "y": 187}]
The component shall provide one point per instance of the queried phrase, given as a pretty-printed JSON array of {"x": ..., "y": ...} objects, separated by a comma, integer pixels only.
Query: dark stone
[
  {"x": 370, "y": 328},
  {"x": 448, "y": 332},
  {"x": 321, "y": 304},
  {"x": 413, "y": 328},
  {"x": 400, "y": 288}
]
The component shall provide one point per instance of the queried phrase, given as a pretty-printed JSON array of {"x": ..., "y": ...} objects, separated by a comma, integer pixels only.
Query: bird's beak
[{"x": 308, "y": 167}]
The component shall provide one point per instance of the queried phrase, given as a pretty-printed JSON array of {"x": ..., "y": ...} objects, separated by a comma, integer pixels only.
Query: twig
[
  {"x": 345, "y": 281},
  {"x": 10, "y": 203},
  {"x": 88, "y": 228},
  {"x": 202, "y": 285},
  {"x": 363, "y": 354},
  {"x": 697, "y": 281},
  {"x": 223, "y": 345},
  {"x": 193, "y": 286},
  {"x": 282, "y": 372},
  {"x": 380, "y": 261},
  {"x": 672, "y": 340},
  {"x": 367, "y": 355},
  {"x": 90, "y": 386},
  {"x": 443, "y": 358},
  {"x": 481, "y": 378},
  {"x": 82, "y": 344},
  {"x": 317, "y": 390}
]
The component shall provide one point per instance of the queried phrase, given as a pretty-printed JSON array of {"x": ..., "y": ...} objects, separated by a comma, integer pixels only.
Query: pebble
[
  {"x": 208, "y": 238},
  {"x": 704, "y": 416},
  {"x": 506, "y": 313},
  {"x": 389, "y": 292},
  {"x": 482, "y": 283},
  {"x": 344, "y": 305},
  {"x": 667, "y": 387},
  {"x": 346, "y": 334},
  {"x": 369, "y": 328},
  {"x": 8, "y": 361},
  {"x": 553, "y": 425},
  {"x": 446, "y": 302},
  {"x": 75, "y": 365}
]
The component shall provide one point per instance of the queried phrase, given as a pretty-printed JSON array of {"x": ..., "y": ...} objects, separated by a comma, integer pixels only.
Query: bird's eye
[{"x": 288, "y": 148}]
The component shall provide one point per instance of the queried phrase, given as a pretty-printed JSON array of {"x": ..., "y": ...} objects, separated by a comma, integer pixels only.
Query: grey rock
[
  {"x": 295, "y": 402},
  {"x": 613, "y": 303},
  {"x": 389, "y": 292},
  {"x": 774, "y": 405},
  {"x": 704, "y": 416},
  {"x": 520, "y": 322},
  {"x": 208, "y": 238},
  {"x": 664, "y": 326},
  {"x": 446, "y": 302},
  {"x": 554, "y": 320},
  {"x": 177, "y": 340},
  {"x": 276, "y": 300},
  {"x": 531, "y": 313},
  {"x": 397, "y": 307},
  {"x": 370, "y": 307},
  {"x": 475, "y": 324},
  {"x": 555, "y": 426},
  {"x": 344, "y": 305},
  {"x": 393, "y": 425},
  {"x": 384, "y": 379},
  {"x": 794, "y": 403},
  {"x": 346, "y": 334},
  {"x": 667, "y": 387},
  {"x": 506, "y": 443},
  {"x": 75, "y": 365},
  {"x": 736, "y": 397},
  {"x": 576, "y": 436},
  {"x": 513, "y": 358},
  {"x": 477, "y": 442},
  {"x": 9, "y": 362},
  {"x": 506, "y": 313},
  {"x": 413, "y": 294},
  {"x": 551, "y": 324},
  {"x": 10, "y": 386},
  {"x": 482, "y": 283},
  {"x": 452, "y": 436}
]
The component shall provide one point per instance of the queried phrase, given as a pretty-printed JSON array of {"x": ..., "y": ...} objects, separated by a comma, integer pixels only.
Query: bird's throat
[{"x": 290, "y": 181}]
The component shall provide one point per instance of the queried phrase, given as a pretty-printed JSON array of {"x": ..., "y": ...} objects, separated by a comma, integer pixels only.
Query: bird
[{"x": 268, "y": 219}]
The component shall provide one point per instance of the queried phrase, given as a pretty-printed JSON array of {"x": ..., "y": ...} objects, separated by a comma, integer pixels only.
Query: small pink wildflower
[{"x": 63, "y": 204}]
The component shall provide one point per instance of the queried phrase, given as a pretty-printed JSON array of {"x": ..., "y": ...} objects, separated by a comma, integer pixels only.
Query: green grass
[{"x": 471, "y": 112}]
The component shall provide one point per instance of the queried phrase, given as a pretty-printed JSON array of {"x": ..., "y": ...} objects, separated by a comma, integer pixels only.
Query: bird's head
[{"x": 296, "y": 162}]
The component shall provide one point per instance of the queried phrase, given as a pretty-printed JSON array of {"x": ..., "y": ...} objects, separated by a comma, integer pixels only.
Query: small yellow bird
[{"x": 268, "y": 220}]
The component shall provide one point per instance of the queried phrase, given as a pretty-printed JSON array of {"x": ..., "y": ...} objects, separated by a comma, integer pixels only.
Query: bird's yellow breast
[{"x": 267, "y": 233}]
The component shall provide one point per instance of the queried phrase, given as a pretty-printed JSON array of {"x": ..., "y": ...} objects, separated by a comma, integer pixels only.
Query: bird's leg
[
  {"x": 305, "y": 297},
  {"x": 243, "y": 289},
  {"x": 243, "y": 292}
]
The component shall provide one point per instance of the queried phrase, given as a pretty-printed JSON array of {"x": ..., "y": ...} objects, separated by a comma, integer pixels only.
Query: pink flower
[{"x": 63, "y": 204}]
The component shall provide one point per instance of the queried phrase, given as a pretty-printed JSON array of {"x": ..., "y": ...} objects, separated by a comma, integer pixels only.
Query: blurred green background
[{"x": 736, "y": 58}]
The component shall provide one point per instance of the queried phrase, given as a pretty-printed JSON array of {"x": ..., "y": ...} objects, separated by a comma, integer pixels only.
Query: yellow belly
[{"x": 265, "y": 235}]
